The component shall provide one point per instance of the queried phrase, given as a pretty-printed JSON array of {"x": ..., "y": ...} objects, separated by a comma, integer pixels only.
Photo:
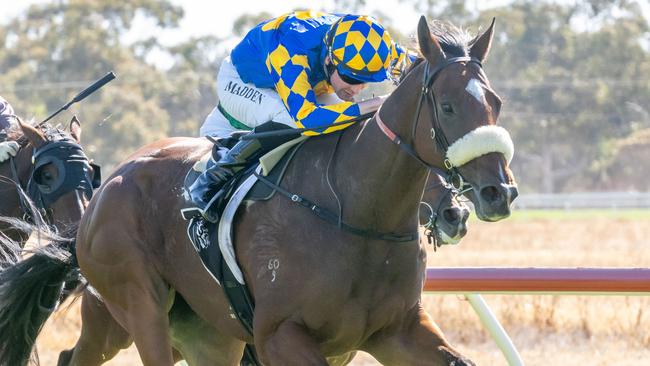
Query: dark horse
[
  {"x": 50, "y": 179},
  {"x": 320, "y": 293},
  {"x": 442, "y": 214}
]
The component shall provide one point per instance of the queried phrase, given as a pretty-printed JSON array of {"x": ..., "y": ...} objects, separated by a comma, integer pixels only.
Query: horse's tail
[{"x": 30, "y": 290}]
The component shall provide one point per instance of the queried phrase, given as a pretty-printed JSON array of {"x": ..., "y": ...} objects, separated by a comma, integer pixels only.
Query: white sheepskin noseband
[{"x": 481, "y": 141}]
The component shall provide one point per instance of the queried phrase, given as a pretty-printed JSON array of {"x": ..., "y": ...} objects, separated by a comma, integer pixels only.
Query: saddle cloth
[
  {"x": 213, "y": 242},
  {"x": 205, "y": 235}
]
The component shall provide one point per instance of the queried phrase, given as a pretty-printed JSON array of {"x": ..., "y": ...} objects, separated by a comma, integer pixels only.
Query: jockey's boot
[{"x": 206, "y": 191}]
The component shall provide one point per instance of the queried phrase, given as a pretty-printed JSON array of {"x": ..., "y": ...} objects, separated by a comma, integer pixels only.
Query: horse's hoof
[{"x": 453, "y": 358}]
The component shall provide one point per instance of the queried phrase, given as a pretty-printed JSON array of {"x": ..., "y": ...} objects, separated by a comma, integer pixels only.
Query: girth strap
[{"x": 335, "y": 220}]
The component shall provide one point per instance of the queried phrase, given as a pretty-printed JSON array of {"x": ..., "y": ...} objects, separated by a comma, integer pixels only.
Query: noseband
[
  {"x": 452, "y": 176},
  {"x": 430, "y": 227}
]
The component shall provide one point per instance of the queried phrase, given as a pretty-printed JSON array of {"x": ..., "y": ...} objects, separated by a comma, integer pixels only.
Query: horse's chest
[
  {"x": 369, "y": 305},
  {"x": 351, "y": 325}
]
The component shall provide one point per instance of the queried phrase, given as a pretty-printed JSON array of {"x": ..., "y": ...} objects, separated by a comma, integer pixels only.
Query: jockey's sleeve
[
  {"x": 6, "y": 114},
  {"x": 402, "y": 59},
  {"x": 291, "y": 77}
]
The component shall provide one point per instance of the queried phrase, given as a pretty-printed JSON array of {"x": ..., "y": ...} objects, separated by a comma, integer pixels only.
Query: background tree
[{"x": 56, "y": 49}]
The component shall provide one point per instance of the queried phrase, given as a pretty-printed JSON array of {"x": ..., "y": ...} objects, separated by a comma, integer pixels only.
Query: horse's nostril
[
  {"x": 465, "y": 214},
  {"x": 452, "y": 215},
  {"x": 514, "y": 192},
  {"x": 491, "y": 194}
]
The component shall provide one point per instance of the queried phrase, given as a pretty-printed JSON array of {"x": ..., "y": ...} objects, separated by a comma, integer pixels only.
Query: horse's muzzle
[{"x": 494, "y": 201}]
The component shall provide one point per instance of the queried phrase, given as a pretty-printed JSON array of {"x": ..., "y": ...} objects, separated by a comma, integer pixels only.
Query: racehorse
[
  {"x": 50, "y": 179},
  {"x": 102, "y": 337},
  {"x": 442, "y": 214},
  {"x": 320, "y": 293}
]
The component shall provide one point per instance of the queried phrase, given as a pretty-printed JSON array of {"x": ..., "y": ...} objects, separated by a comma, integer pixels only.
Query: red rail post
[{"x": 588, "y": 280}]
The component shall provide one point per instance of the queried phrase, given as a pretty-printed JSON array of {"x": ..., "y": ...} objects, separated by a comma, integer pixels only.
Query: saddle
[{"x": 212, "y": 241}]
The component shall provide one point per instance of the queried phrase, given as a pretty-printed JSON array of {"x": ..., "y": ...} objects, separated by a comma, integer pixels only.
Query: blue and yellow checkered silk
[
  {"x": 287, "y": 53},
  {"x": 360, "y": 48}
]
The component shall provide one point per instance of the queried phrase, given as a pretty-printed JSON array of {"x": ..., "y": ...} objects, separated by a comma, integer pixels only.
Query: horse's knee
[{"x": 290, "y": 345}]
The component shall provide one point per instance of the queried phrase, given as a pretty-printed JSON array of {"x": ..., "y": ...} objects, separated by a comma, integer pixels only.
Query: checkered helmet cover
[{"x": 360, "y": 48}]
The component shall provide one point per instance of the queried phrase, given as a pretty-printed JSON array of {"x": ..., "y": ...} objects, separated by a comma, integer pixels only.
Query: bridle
[
  {"x": 76, "y": 173},
  {"x": 430, "y": 227},
  {"x": 452, "y": 176},
  {"x": 451, "y": 173}
]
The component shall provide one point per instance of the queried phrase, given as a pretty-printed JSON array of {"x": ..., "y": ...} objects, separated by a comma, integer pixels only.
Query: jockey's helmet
[{"x": 360, "y": 49}]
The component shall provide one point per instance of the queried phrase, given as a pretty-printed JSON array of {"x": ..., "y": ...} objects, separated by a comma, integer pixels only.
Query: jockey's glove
[{"x": 8, "y": 149}]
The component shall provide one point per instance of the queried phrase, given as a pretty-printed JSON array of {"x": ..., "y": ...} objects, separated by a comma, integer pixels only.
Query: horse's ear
[
  {"x": 429, "y": 46},
  {"x": 35, "y": 137},
  {"x": 75, "y": 128},
  {"x": 481, "y": 46}
]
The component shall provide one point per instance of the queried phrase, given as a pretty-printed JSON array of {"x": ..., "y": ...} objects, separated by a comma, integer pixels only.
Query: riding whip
[{"x": 83, "y": 94}]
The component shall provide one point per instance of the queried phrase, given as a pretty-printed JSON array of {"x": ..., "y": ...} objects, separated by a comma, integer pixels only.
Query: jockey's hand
[{"x": 8, "y": 149}]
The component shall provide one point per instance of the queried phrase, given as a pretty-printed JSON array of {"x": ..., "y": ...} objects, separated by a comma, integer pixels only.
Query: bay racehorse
[
  {"x": 442, "y": 214},
  {"x": 102, "y": 337},
  {"x": 329, "y": 292},
  {"x": 49, "y": 181}
]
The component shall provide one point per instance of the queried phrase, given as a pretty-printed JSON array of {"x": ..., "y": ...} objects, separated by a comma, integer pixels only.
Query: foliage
[
  {"x": 54, "y": 50},
  {"x": 569, "y": 89}
]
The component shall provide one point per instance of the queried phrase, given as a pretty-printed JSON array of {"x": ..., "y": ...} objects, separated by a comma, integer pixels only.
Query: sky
[
  {"x": 207, "y": 17},
  {"x": 203, "y": 17}
]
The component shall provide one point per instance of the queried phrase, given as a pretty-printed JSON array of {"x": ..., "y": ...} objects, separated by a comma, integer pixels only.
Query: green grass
[{"x": 614, "y": 214}]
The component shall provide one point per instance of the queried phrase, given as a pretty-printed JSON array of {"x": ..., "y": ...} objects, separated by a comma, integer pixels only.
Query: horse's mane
[
  {"x": 455, "y": 41},
  {"x": 15, "y": 133}
]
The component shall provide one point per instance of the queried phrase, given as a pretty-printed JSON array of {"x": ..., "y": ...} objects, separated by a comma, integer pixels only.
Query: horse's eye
[
  {"x": 447, "y": 108},
  {"x": 44, "y": 176}
]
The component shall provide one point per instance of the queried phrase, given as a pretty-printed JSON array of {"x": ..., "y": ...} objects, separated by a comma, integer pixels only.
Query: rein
[
  {"x": 297, "y": 131},
  {"x": 22, "y": 197},
  {"x": 335, "y": 220},
  {"x": 430, "y": 226}
]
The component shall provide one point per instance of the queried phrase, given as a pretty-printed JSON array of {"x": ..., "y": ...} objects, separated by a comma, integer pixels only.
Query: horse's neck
[
  {"x": 383, "y": 185},
  {"x": 10, "y": 201},
  {"x": 24, "y": 154}
]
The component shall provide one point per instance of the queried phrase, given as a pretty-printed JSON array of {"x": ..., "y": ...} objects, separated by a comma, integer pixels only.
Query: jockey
[
  {"x": 7, "y": 116},
  {"x": 302, "y": 70}
]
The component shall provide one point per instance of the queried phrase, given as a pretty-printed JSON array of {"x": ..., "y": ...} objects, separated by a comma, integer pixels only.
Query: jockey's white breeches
[{"x": 246, "y": 103}]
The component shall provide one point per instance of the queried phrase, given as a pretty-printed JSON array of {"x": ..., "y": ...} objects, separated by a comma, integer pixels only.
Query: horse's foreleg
[
  {"x": 145, "y": 317},
  {"x": 417, "y": 342},
  {"x": 288, "y": 345},
  {"x": 199, "y": 342},
  {"x": 124, "y": 271},
  {"x": 101, "y": 336}
]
